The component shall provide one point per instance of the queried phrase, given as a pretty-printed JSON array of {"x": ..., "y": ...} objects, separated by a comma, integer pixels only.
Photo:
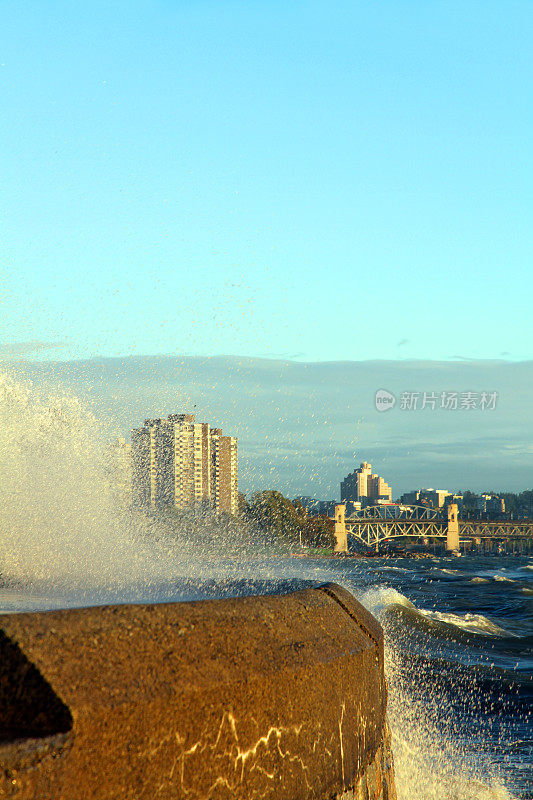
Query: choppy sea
[{"x": 459, "y": 654}]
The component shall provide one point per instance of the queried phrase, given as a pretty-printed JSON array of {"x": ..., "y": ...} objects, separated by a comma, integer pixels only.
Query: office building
[
  {"x": 490, "y": 504},
  {"x": 432, "y": 498},
  {"x": 410, "y": 498},
  {"x": 364, "y": 486},
  {"x": 183, "y": 463},
  {"x": 436, "y": 498}
]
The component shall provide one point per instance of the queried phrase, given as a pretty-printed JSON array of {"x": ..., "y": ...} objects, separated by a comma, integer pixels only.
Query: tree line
[{"x": 286, "y": 521}]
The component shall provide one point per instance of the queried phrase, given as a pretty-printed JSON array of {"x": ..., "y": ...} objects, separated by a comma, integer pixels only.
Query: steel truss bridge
[{"x": 377, "y": 524}]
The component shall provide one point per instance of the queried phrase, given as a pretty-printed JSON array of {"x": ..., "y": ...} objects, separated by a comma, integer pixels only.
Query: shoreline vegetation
[{"x": 267, "y": 521}]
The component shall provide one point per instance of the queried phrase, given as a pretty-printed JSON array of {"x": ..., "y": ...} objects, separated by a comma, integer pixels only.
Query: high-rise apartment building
[
  {"x": 362, "y": 485},
  {"x": 223, "y": 471},
  {"x": 182, "y": 463}
]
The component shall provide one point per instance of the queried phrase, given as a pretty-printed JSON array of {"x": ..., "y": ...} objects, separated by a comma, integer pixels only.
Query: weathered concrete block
[{"x": 275, "y": 697}]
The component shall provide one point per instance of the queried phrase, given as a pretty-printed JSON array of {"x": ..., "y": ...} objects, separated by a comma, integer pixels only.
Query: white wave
[
  {"x": 527, "y": 591},
  {"x": 477, "y": 579},
  {"x": 503, "y": 579},
  {"x": 472, "y": 623},
  {"x": 392, "y": 567},
  {"x": 514, "y": 572},
  {"x": 497, "y": 574},
  {"x": 445, "y": 571},
  {"x": 430, "y": 763},
  {"x": 379, "y": 598}
]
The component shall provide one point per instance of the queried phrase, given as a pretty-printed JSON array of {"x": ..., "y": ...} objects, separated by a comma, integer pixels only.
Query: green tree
[
  {"x": 242, "y": 504},
  {"x": 318, "y": 532},
  {"x": 469, "y": 501},
  {"x": 288, "y": 521},
  {"x": 275, "y": 515}
]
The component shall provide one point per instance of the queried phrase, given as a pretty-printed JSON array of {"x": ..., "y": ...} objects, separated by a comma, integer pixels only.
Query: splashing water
[
  {"x": 431, "y": 760},
  {"x": 64, "y": 516},
  {"x": 66, "y": 526},
  {"x": 60, "y": 516}
]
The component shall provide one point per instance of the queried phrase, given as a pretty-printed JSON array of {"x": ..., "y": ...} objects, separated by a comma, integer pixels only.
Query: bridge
[{"x": 381, "y": 523}]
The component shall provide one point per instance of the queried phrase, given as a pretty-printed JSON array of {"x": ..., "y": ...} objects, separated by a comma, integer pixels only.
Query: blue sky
[{"x": 309, "y": 181}]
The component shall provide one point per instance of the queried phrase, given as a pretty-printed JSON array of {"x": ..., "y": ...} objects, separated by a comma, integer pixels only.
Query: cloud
[
  {"x": 299, "y": 423},
  {"x": 402, "y": 342},
  {"x": 288, "y": 356},
  {"x": 17, "y": 349}
]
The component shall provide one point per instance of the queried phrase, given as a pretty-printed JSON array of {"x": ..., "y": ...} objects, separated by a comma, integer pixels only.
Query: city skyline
[{"x": 299, "y": 425}]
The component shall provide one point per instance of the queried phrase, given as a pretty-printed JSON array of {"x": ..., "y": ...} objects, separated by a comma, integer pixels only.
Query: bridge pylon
[
  {"x": 341, "y": 545},
  {"x": 452, "y": 532}
]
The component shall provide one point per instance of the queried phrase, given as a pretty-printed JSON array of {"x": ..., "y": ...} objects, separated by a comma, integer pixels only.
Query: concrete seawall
[{"x": 279, "y": 696}]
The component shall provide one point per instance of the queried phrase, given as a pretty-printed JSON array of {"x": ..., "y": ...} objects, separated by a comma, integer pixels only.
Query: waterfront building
[
  {"x": 353, "y": 507},
  {"x": 223, "y": 481},
  {"x": 182, "y": 463},
  {"x": 410, "y": 498},
  {"x": 436, "y": 498},
  {"x": 490, "y": 504},
  {"x": 362, "y": 485},
  {"x": 458, "y": 499},
  {"x": 433, "y": 498}
]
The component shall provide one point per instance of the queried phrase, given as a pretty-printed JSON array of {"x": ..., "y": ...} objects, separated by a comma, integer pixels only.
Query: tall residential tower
[{"x": 182, "y": 463}]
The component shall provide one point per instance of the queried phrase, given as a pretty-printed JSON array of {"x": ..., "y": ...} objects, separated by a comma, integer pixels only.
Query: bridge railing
[{"x": 393, "y": 512}]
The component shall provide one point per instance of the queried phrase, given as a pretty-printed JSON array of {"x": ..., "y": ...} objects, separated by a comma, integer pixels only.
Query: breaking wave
[
  {"x": 472, "y": 623},
  {"x": 383, "y": 600},
  {"x": 431, "y": 762}
]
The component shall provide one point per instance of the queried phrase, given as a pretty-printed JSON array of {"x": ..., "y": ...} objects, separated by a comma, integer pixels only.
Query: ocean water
[{"x": 459, "y": 631}]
